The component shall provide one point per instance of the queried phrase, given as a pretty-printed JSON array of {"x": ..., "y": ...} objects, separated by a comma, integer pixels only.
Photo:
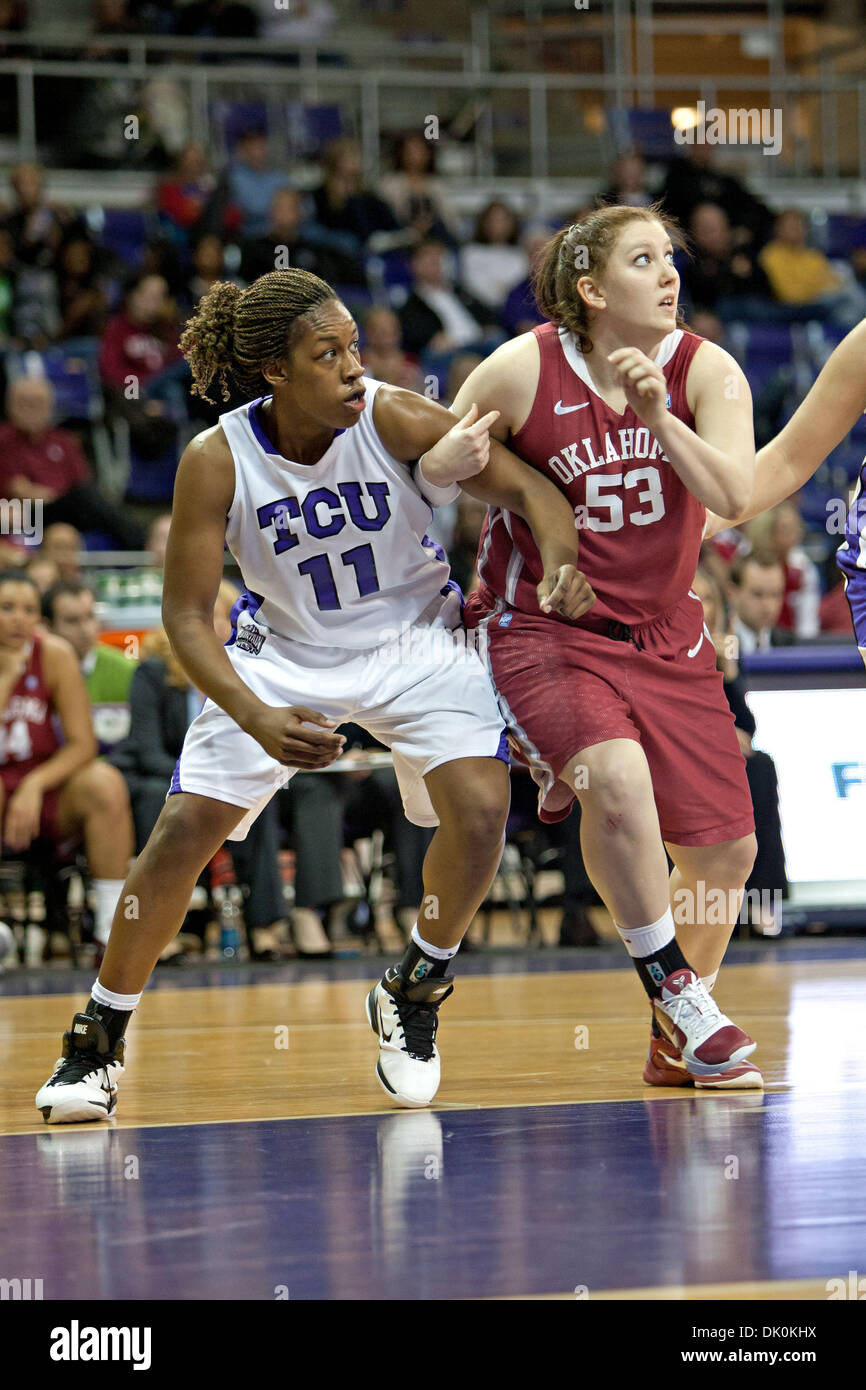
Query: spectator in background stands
[
  {"x": 250, "y": 182},
  {"x": 353, "y": 218},
  {"x": 382, "y": 352},
  {"x": 719, "y": 276},
  {"x": 494, "y": 261},
  {"x": 208, "y": 266},
  {"x": 768, "y": 872},
  {"x": 416, "y": 195},
  {"x": 46, "y": 464},
  {"x": 140, "y": 343},
  {"x": 756, "y": 589},
  {"x": 628, "y": 182},
  {"x": 36, "y": 226},
  {"x": 800, "y": 275},
  {"x": 520, "y": 313},
  {"x": 82, "y": 296},
  {"x": 43, "y": 571},
  {"x": 437, "y": 316},
  {"x": 290, "y": 241},
  {"x": 53, "y": 785},
  {"x": 61, "y": 545},
  {"x": 69, "y": 610},
  {"x": 182, "y": 198},
  {"x": 780, "y": 532},
  {"x": 692, "y": 180}
]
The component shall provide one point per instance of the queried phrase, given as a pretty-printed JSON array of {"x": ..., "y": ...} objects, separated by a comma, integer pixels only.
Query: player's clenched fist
[
  {"x": 644, "y": 383},
  {"x": 461, "y": 453},
  {"x": 298, "y": 737},
  {"x": 566, "y": 591}
]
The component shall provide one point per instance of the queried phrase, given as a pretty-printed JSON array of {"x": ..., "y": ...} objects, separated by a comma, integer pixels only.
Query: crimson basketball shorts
[{"x": 563, "y": 688}]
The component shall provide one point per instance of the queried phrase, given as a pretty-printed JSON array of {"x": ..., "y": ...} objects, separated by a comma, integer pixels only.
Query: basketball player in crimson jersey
[
  {"x": 54, "y": 787},
  {"x": 642, "y": 425},
  {"x": 829, "y": 411}
]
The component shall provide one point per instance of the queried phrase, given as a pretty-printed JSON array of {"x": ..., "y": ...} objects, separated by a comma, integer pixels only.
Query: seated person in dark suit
[
  {"x": 756, "y": 593},
  {"x": 438, "y": 317}
]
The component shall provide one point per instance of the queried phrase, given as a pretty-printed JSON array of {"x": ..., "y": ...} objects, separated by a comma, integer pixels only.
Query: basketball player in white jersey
[
  {"x": 313, "y": 488},
  {"x": 820, "y": 423}
]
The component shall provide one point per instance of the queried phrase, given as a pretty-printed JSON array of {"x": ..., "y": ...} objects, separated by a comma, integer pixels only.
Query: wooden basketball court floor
[{"x": 254, "y": 1155}]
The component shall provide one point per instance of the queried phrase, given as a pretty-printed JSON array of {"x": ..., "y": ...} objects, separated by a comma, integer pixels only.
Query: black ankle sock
[
  {"x": 656, "y": 1031},
  {"x": 417, "y": 965},
  {"x": 114, "y": 1021},
  {"x": 655, "y": 968}
]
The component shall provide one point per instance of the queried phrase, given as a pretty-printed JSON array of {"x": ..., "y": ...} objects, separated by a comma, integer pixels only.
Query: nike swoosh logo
[
  {"x": 386, "y": 1037},
  {"x": 560, "y": 409}
]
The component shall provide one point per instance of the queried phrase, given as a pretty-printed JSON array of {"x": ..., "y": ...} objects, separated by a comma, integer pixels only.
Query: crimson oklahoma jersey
[
  {"x": 640, "y": 528},
  {"x": 28, "y": 733}
]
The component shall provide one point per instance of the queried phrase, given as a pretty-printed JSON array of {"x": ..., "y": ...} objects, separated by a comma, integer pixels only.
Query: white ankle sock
[
  {"x": 709, "y": 980},
  {"x": 106, "y": 894},
  {"x": 125, "y": 1002},
  {"x": 642, "y": 941},
  {"x": 437, "y": 952}
]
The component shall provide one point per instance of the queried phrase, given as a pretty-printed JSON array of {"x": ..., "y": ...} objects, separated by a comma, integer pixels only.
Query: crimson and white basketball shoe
[
  {"x": 664, "y": 1066},
  {"x": 405, "y": 1017},
  {"x": 705, "y": 1043}
]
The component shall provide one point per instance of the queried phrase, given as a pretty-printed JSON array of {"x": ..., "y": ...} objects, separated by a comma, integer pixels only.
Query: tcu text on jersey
[{"x": 334, "y": 551}]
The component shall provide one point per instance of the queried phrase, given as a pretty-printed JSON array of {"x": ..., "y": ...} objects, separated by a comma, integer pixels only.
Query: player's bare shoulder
[
  {"x": 713, "y": 368},
  {"x": 207, "y": 468},
  {"x": 506, "y": 381}
]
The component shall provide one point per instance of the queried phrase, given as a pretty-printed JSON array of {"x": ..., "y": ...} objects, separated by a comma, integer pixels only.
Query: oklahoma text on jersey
[{"x": 618, "y": 479}]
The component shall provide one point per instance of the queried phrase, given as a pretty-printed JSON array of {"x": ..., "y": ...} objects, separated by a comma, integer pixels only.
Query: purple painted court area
[{"x": 454, "y": 1204}]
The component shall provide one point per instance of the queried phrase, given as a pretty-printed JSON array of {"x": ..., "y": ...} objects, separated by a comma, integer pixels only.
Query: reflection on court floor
[{"x": 545, "y": 1171}]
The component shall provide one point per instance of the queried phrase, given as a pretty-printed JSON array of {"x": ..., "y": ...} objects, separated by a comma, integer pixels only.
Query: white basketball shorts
[{"x": 425, "y": 695}]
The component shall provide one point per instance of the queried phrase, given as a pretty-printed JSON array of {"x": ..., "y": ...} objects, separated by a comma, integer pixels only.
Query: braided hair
[
  {"x": 236, "y": 332},
  {"x": 584, "y": 248}
]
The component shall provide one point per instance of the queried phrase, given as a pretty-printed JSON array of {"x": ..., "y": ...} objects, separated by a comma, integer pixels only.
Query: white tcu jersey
[{"x": 334, "y": 554}]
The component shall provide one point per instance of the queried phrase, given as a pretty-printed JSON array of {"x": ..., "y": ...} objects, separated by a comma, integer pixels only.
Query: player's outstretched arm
[
  {"x": 821, "y": 421},
  {"x": 203, "y": 494}
]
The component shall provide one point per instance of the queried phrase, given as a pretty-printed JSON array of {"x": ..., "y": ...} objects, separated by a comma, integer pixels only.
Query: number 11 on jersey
[{"x": 318, "y": 567}]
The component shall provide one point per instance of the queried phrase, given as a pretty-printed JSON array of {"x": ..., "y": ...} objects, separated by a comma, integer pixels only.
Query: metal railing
[{"x": 825, "y": 115}]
